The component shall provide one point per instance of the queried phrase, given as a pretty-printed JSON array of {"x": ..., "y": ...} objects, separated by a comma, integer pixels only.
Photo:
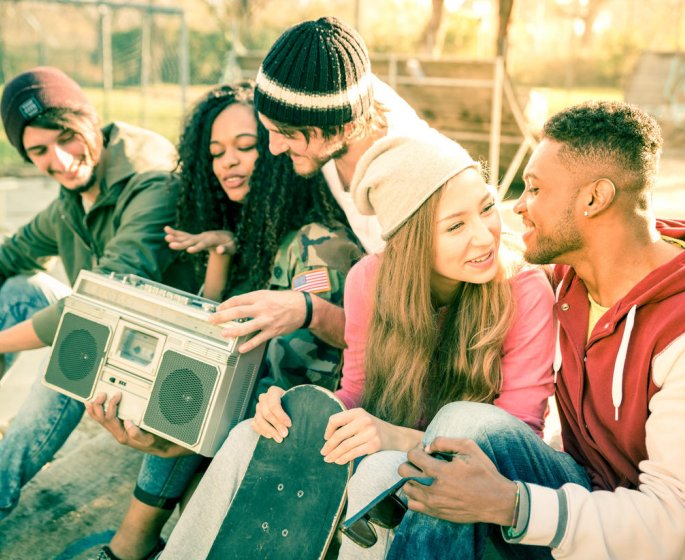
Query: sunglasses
[{"x": 386, "y": 510}]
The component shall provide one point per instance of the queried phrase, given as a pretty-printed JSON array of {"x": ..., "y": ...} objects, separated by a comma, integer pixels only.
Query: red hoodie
[{"x": 605, "y": 383}]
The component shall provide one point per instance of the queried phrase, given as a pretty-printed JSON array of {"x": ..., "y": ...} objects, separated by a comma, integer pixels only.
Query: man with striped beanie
[{"x": 322, "y": 107}]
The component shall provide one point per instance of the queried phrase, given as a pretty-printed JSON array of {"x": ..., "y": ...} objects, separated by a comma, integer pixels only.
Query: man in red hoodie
[{"x": 618, "y": 490}]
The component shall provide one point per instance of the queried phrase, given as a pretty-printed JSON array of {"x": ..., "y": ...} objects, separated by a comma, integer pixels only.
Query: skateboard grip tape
[{"x": 290, "y": 500}]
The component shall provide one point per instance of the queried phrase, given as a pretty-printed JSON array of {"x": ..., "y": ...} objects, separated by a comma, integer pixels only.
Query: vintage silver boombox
[{"x": 178, "y": 376}]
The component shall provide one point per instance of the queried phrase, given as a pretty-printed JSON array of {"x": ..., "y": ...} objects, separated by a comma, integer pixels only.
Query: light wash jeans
[
  {"x": 23, "y": 295},
  {"x": 163, "y": 481},
  {"x": 25, "y": 447},
  {"x": 518, "y": 453},
  {"x": 47, "y": 418},
  {"x": 201, "y": 520}
]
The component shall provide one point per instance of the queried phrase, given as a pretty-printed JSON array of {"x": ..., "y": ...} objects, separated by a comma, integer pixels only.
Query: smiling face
[
  {"x": 467, "y": 234},
  {"x": 308, "y": 155},
  {"x": 233, "y": 148},
  {"x": 548, "y": 207},
  {"x": 61, "y": 154}
]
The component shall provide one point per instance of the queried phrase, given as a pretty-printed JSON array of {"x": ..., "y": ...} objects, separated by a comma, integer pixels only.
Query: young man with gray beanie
[
  {"x": 322, "y": 106},
  {"x": 117, "y": 194}
]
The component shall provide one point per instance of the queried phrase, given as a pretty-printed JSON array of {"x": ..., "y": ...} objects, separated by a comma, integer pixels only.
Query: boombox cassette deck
[{"x": 179, "y": 378}]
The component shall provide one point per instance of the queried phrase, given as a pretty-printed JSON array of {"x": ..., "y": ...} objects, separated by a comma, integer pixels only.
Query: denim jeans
[
  {"x": 518, "y": 453},
  {"x": 163, "y": 481},
  {"x": 23, "y": 295},
  {"x": 47, "y": 418},
  {"x": 28, "y": 443}
]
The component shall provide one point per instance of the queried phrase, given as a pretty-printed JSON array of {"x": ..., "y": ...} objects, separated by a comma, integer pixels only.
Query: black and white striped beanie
[{"x": 317, "y": 73}]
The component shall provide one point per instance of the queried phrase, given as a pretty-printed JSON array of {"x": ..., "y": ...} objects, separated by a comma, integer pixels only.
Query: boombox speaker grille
[
  {"x": 77, "y": 353},
  {"x": 180, "y": 396}
]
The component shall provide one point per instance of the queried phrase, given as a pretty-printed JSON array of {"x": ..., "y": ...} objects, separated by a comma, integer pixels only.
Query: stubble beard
[
  {"x": 89, "y": 184},
  {"x": 564, "y": 239},
  {"x": 318, "y": 162}
]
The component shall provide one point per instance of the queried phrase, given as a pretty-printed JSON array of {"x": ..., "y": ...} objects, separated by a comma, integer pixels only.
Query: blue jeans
[
  {"x": 163, "y": 481},
  {"x": 518, "y": 453},
  {"x": 24, "y": 448},
  {"x": 47, "y": 418},
  {"x": 23, "y": 295}
]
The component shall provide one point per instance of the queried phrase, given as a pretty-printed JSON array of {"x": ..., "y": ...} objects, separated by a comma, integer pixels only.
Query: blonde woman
[{"x": 446, "y": 313}]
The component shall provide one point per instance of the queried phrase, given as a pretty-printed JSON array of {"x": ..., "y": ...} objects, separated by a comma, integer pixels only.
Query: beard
[
  {"x": 563, "y": 239},
  {"x": 317, "y": 163},
  {"x": 89, "y": 184}
]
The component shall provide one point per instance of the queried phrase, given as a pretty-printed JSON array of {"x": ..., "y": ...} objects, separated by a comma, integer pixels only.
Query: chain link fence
[{"x": 132, "y": 59}]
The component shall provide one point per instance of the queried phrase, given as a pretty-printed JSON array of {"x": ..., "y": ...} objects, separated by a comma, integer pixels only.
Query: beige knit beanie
[{"x": 398, "y": 174}]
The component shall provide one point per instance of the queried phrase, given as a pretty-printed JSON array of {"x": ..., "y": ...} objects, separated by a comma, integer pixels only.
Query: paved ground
[{"x": 77, "y": 501}]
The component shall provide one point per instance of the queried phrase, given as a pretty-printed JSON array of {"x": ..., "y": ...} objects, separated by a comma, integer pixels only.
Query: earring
[{"x": 586, "y": 213}]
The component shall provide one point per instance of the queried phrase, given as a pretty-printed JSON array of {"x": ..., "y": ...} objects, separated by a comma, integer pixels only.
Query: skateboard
[{"x": 290, "y": 500}]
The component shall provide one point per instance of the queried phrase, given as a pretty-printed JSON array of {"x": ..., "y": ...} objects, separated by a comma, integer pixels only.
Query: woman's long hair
[
  {"x": 418, "y": 357},
  {"x": 202, "y": 203},
  {"x": 279, "y": 201}
]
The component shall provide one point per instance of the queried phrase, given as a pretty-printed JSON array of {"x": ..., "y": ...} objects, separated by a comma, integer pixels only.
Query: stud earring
[{"x": 586, "y": 213}]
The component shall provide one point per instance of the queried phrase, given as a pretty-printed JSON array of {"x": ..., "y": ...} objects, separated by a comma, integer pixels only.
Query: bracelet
[
  {"x": 511, "y": 533},
  {"x": 517, "y": 503},
  {"x": 309, "y": 310}
]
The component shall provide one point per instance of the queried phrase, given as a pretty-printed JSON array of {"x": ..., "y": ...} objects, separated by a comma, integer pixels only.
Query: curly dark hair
[
  {"x": 614, "y": 136},
  {"x": 202, "y": 203},
  {"x": 279, "y": 201}
]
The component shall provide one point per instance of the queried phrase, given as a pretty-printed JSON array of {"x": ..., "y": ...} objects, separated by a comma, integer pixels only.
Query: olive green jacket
[{"x": 123, "y": 230}]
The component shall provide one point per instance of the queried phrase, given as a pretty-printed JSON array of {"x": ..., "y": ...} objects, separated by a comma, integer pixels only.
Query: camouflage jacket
[{"x": 316, "y": 259}]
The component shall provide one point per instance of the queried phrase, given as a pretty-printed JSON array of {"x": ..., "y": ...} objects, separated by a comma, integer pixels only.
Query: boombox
[{"x": 179, "y": 378}]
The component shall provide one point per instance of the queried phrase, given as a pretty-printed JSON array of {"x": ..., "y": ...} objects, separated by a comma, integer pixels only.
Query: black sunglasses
[{"x": 386, "y": 510}]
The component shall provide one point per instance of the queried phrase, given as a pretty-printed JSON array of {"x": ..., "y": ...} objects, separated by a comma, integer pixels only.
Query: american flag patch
[{"x": 314, "y": 281}]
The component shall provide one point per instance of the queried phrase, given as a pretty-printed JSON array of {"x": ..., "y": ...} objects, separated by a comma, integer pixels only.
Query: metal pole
[
  {"x": 184, "y": 61},
  {"x": 107, "y": 81},
  {"x": 392, "y": 71},
  {"x": 145, "y": 57},
  {"x": 496, "y": 119}
]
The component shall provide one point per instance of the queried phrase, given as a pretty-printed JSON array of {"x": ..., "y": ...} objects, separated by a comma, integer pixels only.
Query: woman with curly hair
[
  {"x": 264, "y": 227},
  {"x": 446, "y": 313}
]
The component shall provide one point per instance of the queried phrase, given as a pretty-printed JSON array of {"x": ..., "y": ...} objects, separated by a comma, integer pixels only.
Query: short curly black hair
[{"x": 614, "y": 136}]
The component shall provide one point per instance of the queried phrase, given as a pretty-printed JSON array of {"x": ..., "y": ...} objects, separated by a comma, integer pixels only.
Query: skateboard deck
[{"x": 290, "y": 500}]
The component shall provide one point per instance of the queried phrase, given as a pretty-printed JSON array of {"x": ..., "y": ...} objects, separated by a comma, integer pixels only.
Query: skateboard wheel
[
  {"x": 280, "y": 488},
  {"x": 265, "y": 526},
  {"x": 284, "y": 532},
  {"x": 300, "y": 493}
]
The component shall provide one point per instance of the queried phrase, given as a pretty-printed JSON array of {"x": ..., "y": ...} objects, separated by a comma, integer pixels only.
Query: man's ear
[{"x": 599, "y": 197}]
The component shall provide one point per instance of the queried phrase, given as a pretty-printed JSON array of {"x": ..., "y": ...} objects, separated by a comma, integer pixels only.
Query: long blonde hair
[{"x": 417, "y": 361}]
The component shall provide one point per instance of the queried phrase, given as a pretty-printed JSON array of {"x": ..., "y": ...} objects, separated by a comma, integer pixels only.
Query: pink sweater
[{"x": 526, "y": 356}]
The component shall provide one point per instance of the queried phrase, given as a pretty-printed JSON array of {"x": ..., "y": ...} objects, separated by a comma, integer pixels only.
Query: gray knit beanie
[
  {"x": 317, "y": 73},
  {"x": 398, "y": 174}
]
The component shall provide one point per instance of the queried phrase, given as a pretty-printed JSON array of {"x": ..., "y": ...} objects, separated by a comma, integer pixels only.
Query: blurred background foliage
[{"x": 559, "y": 51}]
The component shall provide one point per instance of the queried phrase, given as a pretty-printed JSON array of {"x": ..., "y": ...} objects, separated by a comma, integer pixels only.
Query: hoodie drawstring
[
  {"x": 556, "y": 364},
  {"x": 619, "y": 365}
]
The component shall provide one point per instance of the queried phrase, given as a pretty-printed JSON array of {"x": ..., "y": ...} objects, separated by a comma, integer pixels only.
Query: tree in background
[{"x": 432, "y": 37}]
